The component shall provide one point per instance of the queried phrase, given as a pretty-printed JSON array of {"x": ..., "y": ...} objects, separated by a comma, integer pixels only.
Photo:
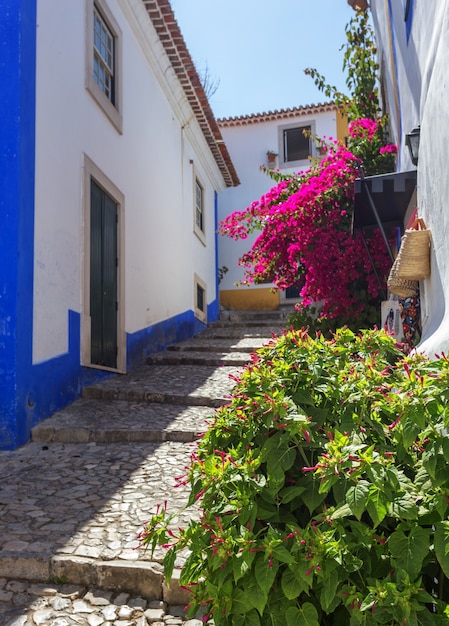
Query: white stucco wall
[
  {"x": 422, "y": 79},
  {"x": 152, "y": 164},
  {"x": 248, "y": 145}
]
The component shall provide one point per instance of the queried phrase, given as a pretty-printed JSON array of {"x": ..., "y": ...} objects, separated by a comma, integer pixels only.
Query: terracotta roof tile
[
  {"x": 164, "y": 21},
  {"x": 280, "y": 114}
]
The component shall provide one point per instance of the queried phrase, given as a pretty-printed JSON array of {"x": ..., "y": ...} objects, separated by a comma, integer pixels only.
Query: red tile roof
[
  {"x": 281, "y": 114},
  {"x": 163, "y": 19}
]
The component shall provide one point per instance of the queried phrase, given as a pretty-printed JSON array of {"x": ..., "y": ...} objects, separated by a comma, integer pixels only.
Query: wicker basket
[
  {"x": 413, "y": 260},
  {"x": 401, "y": 287}
]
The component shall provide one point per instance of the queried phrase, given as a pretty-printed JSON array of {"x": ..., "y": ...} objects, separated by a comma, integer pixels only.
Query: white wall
[
  {"x": 149, "y": 163},
  {"x": 248, "y": 145},
  {"x": 422, "y": 78}
]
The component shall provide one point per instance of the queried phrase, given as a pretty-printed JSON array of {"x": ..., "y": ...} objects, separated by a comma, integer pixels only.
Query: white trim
[
  {"x": 91, "y": 171},
  {"x": 112, "y": 111}
]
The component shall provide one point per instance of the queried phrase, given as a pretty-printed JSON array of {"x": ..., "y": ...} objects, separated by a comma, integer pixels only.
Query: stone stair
[{"x": 73, "y": 500}]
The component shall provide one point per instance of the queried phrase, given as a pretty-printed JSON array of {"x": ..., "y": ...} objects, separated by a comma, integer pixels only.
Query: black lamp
[{"x": 412, "y": 143}]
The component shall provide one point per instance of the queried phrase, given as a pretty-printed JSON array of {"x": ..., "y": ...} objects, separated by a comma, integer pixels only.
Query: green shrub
[
  {"x": 323, "y": 488},
  {"x": 309, "y": 317}
]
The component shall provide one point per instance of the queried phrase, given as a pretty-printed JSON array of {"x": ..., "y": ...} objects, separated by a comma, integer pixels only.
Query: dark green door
[{"x": 103, "y": 277}]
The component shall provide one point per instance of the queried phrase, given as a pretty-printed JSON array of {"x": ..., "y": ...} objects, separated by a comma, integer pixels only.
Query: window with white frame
[
  {"x": 295, "y": 144},
  {"x": 200, "y": 298},
  {"x": 104, "y": 55},
  {"x": 199, "y": 210},
  {"x": 103, "y": 59}
]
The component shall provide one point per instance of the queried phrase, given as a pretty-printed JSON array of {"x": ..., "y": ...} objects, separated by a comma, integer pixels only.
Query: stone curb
[
  {"x": 46, "y": 434},
  {"x": 145, "y": 579}
]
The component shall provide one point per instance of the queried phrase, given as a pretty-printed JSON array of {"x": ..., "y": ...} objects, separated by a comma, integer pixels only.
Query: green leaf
[
  {"x": 265, "y": 574},
  {"x": 291, "y": 585},
  {"x": 404, "y": 507},
  {"x": 441, "y": 544},
  {"x": 248, "y": 514},
  {"x": 329, "y": 590},
  {"x": 274, "y": 616},
  {"x": 240, "y": 603},
  {"x": 430, "y": 460},
  {"x": 314, "y": 497},
  {"x": 409, "y": 550},
  {"x": 357, "y": 497},
  {"x": 241, "y": 564},
  {"x": 290, "y": 493},
  {"x": 169, "y": 563},
  {"x": 256, "y": 597},
  {"x": 410, "y": 430},
  {"x": 376, "y": 473},
  {"x": 275, "y": 471},
  {"x": 425, "y": 618},
  {"x": 248, "y": 619},
  {"x": 303, "y": 397},
  {"x": 377, "y": 504},
  {"x": 287, "y": 458},
  {"x": 281, "y": 553},
  {"x": 305, "y": 615},
  {"x": 342, "y": 511}
]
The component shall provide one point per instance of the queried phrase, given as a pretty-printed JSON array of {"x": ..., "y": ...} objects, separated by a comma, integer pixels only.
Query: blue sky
[{"x": 258, "y": 49}]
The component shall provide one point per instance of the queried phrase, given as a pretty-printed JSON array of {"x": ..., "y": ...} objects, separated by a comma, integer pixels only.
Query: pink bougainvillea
[
  {"x": 390, "y": 148},
  {"x": 305, "y": 224},
  {"x": 364, "y": 128}
]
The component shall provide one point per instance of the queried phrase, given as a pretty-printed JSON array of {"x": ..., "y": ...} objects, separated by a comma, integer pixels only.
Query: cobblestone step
[
  {"x": 194, "y": 385},
  {"x": 122, "y": 421},
  {"x": 263, "y": 317},
  {"x": 173, "y": 357},
  {"x": 217, "y": 344},
  {"x": 73, "y": 512}
]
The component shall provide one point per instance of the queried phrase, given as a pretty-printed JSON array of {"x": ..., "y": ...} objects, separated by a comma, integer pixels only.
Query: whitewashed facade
[
  {"x": 151, "y": 153},
  {"x": 413, "y": 43},
  {"x": 249, "y": 139}
]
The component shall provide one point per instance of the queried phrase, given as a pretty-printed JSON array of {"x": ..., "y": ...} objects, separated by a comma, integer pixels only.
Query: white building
[
  {"x": 413, "y": 47},
  {"x": 111, "y": 161},
  {"x": 250, "y": 139}
]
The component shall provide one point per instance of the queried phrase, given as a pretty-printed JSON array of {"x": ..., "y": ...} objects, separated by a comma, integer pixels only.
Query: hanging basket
[
  {"x": 413, "y": 260},
  {"x": 401, "y": 287}
]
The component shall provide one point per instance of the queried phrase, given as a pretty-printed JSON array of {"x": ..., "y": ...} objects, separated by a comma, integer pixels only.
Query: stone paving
[{"x": 73, "y": 500}]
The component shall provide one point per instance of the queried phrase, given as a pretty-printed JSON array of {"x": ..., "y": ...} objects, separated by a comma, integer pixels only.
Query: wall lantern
[
  {"x": 358, "y": 5},
  {"x": 412, "y": 143}
]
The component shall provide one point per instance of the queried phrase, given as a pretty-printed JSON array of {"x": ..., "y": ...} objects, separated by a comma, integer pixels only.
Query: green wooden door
[{"x": 103, "y": 277}]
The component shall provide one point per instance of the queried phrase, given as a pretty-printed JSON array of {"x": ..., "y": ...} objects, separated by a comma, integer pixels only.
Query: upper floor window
[
  {"x": 103, "y": 60},
  {"x": 296, "y": 145},
  {"x": 199, "y": 209},
  {"x": 103, "y": 56}
]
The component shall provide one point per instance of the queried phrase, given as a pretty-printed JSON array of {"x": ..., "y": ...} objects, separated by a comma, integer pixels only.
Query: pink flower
[
  {"x": 390, "y": 148},
  {"x": 364, "y": 128}
]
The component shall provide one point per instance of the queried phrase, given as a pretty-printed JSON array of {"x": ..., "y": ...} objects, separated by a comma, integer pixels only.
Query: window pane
[
  {"x": 296, "y": 146},
  {"x": 198, "y": 205},
  {"x": 200, "y": 298},
  {"x": 103, "y": 56}
]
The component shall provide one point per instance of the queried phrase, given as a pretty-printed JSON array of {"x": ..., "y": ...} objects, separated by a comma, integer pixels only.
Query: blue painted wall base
[{"x": 51, "y": 385}]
